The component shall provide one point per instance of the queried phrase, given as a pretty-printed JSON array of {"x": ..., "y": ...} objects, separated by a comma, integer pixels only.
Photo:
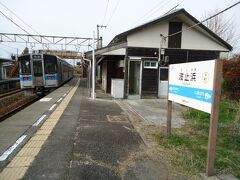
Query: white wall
[
  {"x": 193, "y": 39},
  {"x": 149, "y": 36},
  {"x": 121, "y": 51}
]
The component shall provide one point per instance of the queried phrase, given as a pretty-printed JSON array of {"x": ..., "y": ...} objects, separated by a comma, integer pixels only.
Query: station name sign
[{"x": 191, "y": 84}]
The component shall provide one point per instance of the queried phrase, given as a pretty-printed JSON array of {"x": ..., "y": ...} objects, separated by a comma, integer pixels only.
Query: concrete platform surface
[
  {"x": 90, "y": 139},
  {"x": 12, "y": 128},
  {"x": 154, "y": 111}
]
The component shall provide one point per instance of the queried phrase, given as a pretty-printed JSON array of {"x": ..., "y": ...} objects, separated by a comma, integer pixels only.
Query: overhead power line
[
  {"x": 200, "y": 22},
  {"x": 152, "y": 10},
  {"x": 4, "y": 15},
  {"x": 156, "y": 10},
  {"x": 22, "y": 20},
  {"x": 113, "y": 12},
  {"x": 18, "y": 17},
  {"x": 105, "y": 12},
  {"x": 8, "y": 46},
  {"x": 8, "y": 52},
  {"x": 174, "y": 8}
]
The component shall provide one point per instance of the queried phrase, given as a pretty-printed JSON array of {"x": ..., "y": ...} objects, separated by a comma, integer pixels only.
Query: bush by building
[{"x": 231, "y": 76}]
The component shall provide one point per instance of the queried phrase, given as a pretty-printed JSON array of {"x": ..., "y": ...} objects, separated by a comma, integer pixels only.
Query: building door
[
  {"x": 135, "y": 67},
  {"x": 163, "y": 82}
]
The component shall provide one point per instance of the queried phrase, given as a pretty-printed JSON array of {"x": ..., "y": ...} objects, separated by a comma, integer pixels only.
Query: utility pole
[
  {"x": 99, "y": 45},
  {"x": 93, "y": 68}
]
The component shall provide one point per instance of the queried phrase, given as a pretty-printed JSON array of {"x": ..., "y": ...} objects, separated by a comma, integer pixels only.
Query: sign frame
[{"x": 212, "y": 138}]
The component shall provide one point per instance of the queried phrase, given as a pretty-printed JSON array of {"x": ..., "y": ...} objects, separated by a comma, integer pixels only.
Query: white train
[{"x": 40, "y": 72}]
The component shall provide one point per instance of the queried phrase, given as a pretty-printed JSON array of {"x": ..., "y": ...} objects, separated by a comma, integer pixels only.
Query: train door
[{"x": 38, "y": 73}]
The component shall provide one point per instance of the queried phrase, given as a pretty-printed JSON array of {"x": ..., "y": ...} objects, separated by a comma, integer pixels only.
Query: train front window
[
  {"x": 37, "y": 68},
  {"x": 25, "y": 67},
  {"x": 50, "y": 66}
]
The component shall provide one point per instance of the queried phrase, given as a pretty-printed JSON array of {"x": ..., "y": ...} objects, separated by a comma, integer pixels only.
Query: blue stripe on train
[
  {"x": 51, "y": 76},
  {"x": 25, "y": 78}
]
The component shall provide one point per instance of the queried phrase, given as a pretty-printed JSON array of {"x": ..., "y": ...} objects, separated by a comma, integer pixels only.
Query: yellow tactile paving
[
  {"x": 53, "y": 119},
  {"x": 50, "y": 123},
  {"x": 34, "y": 144},
  {"x": 67, "y": 101},
  {"x": 22, "y": 161},
  {"x": 43, "y": 131},
  {"x": 58, "y": 110},
  {"x": 28, "y": 152},
  {"x": 42, "y": 137},
  {"x": 61, "y": 108},
  {"x": 56, "y": 114},
  {"x": 13, "y": 173},
  {"x": 17, "y": 168},
  {"x": 64, "y": 103},
  {"x": 48, "y": 127}
]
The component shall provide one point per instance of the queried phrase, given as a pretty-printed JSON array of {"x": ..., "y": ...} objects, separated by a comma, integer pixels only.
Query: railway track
[
  {"x": 14, "y": 101},
  {"x": 10, "y": 92}
]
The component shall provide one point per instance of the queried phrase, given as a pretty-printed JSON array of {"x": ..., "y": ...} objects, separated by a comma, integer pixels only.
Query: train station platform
[
  {"x": 80, "y": 138},
  {"x": 17, "y": 129},
  {"x": 67, "y": 135},
  {"x": 9, "y": 84}
]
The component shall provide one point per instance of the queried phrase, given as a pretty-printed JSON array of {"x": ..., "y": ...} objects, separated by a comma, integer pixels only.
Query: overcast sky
[{"x": 80, "y": 17}]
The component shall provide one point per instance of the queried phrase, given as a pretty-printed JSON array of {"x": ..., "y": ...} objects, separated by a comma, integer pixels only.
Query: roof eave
[{"x": 106, "y": 49}]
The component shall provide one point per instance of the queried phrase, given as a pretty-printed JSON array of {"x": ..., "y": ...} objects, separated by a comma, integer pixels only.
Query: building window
[
  {"x": 163, "y": 74},
  {"x": 174, "y": 41},
  {"x": 150, "y": 64}
]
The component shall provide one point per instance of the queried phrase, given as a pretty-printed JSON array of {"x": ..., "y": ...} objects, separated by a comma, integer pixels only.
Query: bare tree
[{"x": 222, "y": 26}]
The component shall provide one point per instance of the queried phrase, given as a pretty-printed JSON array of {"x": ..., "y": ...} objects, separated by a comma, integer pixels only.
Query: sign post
[
  {"x": 197, "y": 85},
  {"x": 212, "y": 139},
  {"x": 169, "y": 118}
]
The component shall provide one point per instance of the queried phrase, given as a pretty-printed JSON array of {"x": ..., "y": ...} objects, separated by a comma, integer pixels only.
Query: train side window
[{"x": 50, "y": 66}]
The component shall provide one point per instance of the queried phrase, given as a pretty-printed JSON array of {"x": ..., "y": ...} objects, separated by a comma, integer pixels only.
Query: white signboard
[{"x": 191, "y": 84}]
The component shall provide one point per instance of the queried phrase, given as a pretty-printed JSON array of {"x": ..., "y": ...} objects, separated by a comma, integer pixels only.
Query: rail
[{"x": 13, "y": 102}]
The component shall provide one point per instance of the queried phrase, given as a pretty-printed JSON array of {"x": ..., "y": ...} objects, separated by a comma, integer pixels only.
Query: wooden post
[
  {"x": 169, "y": 111},
  {"x": 214, "y": 117},
  {"x": 169, "y": 118}
]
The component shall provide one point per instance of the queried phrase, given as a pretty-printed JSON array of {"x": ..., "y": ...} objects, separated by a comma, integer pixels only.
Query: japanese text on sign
[{"x": 191, "y": 84}]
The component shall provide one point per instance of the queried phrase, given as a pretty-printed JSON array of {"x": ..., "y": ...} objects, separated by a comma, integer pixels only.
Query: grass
[{"x": 188, "y": 146}]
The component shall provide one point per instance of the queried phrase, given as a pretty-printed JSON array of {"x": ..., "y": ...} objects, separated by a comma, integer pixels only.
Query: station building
[
  {"x": 136, "y": 61},
  {"x": 5, "y": 67}
]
